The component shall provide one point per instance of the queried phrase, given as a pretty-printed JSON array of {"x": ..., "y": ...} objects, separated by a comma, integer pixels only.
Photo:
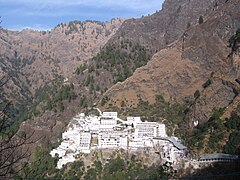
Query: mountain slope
[
  {"x": 177, "y": 72},
  {"x": 163, "y": 27},
  {"x": 137, "y": 40},
  {"x": 166, "y": 74},
  {"x": 41, "y": 56}
]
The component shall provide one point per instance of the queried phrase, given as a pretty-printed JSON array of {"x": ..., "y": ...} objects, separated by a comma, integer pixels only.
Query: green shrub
[{"x": 200, "y": 20}]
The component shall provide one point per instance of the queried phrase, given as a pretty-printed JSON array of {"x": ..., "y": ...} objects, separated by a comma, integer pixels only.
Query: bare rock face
[
  {"x": 218, "y": 95},
  {"x": 208, "y": 42},
  {"x": 163, "y": 27},
  {"x": 200, "y": 54}
]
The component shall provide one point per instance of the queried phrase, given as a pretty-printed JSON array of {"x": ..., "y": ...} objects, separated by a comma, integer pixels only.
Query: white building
[
  {"x": 84, "y": 142},
  {"x": 94, "y": 125},
  {"x": 107, "y": 124},
  {"x": 123, "y": 142},
  {"x": 132, "y": 121},
  {"x": 65, "y": 159},
  {"x": 161, "y": 130},
  {"x": 108, "y": 121},
  {"x": 113, "y": 132},
  {"x": 149, "y": 129},
  {"x": 58, "y": 152},
  {"x": 135, "y": 144},
  {"x": 113, "y": 140},
  {"x": 112, "y": 115}
]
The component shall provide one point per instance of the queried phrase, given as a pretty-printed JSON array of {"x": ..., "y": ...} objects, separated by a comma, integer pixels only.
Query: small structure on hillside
[{"x": 219, "y": 157}]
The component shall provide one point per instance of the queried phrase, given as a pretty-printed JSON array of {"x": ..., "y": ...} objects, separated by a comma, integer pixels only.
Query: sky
[{"x": 46, "y": 14}]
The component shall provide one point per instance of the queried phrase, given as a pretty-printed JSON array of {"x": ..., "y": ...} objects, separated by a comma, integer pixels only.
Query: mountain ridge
[{"x": 42, "y": 56}]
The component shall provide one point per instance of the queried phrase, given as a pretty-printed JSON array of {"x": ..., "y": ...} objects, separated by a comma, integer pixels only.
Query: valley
[{"x": 178, "y": 66}]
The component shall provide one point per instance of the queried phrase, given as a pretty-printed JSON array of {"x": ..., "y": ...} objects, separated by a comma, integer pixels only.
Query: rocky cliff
[
  {"x": 165, "y": 26},
  {"x": 199, "y": 60}
]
